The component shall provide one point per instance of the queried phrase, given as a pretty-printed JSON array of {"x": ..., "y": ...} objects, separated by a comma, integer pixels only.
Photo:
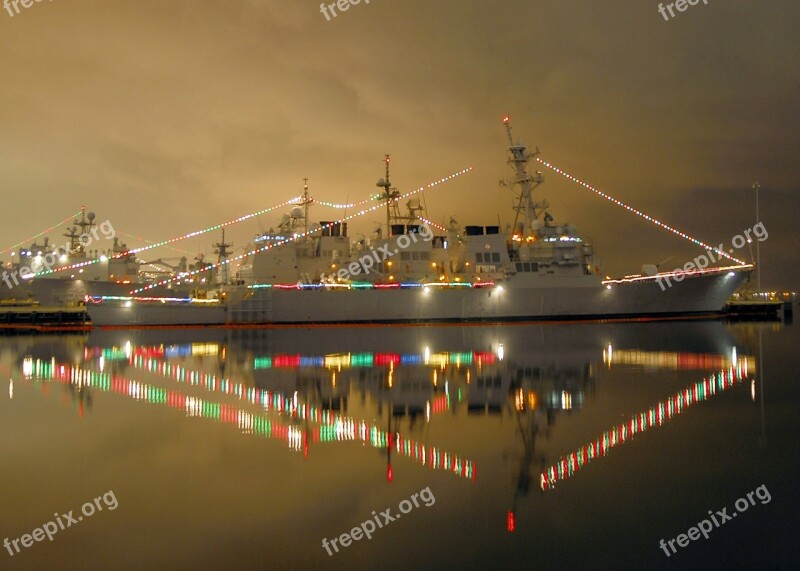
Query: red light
[
  {"x": 510, "y": 522},
  {"x": 389, "y": 474},
  {"x": 382, "y": 359}
]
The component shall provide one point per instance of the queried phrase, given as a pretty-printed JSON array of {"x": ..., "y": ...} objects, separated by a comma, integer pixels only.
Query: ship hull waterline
[{"x": 694, "y": 296}]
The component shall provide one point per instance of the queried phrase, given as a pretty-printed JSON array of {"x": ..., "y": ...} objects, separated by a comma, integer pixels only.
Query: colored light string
[
  {"x": 45, "y": 231},
  {"x": 431, "y": 223},
  {"x": 657, "y": 415},
  {"x": 172, "y": 240},
  {"x": 639, "y": 213},
  {"x": 141, "y": 239},
  {"x": 298, "y": 235},
  {"x": 334, "y": 427},
  {"x": 666, "y": 275}
]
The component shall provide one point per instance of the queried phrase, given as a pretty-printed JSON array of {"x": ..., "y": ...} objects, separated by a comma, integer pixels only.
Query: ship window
[
  {"x": 495, "y": 257},
  {"x": 527, "y": 266},
  {"x": 425, "y": 256},
  {"x": 519, "y": 266},
  {"x": 534, "y": 266},
  {"x": 405, "y": 255},
  {"x": 415, "y": 255},
  {"x": 479, "y": 257}
]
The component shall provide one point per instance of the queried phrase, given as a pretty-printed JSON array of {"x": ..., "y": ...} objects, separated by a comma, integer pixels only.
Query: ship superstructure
[{"x": 415, "y": 271}]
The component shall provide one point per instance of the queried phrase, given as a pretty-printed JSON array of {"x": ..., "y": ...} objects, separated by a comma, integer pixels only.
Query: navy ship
[{"x": 414, "y": 271}]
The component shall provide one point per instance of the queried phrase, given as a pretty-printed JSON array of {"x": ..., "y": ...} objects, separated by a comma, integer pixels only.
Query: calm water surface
[{"x": 530, "y": 447}]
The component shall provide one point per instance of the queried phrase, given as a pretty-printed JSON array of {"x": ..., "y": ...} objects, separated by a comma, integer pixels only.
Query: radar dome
[{"x": 649, "y": 269}]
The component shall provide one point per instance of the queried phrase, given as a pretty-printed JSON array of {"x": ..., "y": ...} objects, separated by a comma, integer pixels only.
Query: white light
[
  {"x": 103, "y": 258},
  {"x": 608, "y": 287},
  {"x": 501, "y": 351},
  {"x": 499, "y": 289},
  {"x": 63, "y": 257},
  {"x": 731, "y": 274}
]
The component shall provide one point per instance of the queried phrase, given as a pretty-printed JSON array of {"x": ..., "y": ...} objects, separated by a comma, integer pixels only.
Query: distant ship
[
  {"x": 55, "y": 276},
  {"x": 536, "y": 270}
]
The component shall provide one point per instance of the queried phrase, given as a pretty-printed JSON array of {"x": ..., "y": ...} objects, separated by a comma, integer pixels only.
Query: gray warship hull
[{"x": 534, "y": 300}]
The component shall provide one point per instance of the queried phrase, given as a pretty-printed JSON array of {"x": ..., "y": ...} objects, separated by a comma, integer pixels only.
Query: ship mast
[
  {"x": 222, "y": 256},
  {"x": 306, "y": 203},
  {"x": 85, "y": 223},
  {"x": 526, "y": 206},
  {"x": 391, "y": 195}
]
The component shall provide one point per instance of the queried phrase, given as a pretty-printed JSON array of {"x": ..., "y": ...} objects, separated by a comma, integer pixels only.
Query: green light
[
  {"x": 361, "y": 360},
  {"x": 461, "y": 358},
  {"x": 114, "y": 354}
]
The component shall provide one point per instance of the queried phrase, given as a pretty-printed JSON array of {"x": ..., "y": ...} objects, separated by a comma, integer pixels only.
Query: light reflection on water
[{"x": 518, "y": 430}]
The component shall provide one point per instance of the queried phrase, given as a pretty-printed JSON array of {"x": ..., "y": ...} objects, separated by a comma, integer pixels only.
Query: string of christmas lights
[
  {"x": 657, "y": 415},
  {"x": 639, "y": 213},
  {"x": 431, "y": 223},
  {"x": 141, "y": 239},
  {"x": 340, "y": 206},
  {"x": 45, "y": 231},
  {"x": 334, "y": 427},
  {"x": 299, "y": 235},
  {"x": 172, "y": 240}
]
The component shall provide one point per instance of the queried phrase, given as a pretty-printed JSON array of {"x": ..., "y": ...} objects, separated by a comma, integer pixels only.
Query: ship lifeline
[{"x": 539, "y": 270}]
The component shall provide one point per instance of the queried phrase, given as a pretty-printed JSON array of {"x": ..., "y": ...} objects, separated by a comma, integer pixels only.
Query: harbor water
[{"x": 563, "y": 446}]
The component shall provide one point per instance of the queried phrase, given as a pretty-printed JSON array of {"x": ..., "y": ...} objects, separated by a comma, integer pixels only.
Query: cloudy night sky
[{"x": 169, "y": 116}]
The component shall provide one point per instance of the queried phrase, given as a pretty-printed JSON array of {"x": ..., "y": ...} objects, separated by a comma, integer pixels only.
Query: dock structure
[
  {"x": 770, "y": 309},
  {"x": 36, "y": 317}
]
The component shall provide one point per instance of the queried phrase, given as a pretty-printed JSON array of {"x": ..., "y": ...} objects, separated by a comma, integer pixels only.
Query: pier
[{"x": 39, "y": 318}]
